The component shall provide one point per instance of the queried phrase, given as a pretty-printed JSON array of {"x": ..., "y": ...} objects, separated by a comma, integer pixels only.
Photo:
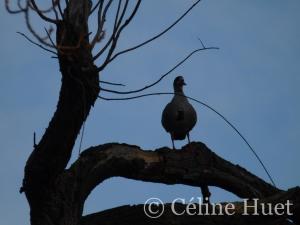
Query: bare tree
[{"x": 56, "y": 195}]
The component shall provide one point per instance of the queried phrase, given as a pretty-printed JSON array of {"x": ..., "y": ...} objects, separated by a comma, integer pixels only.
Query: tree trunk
[{"x": 50, "y": 202}]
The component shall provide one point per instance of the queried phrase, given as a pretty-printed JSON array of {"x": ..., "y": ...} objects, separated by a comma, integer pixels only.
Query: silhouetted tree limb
[
  {"x": 162, "y": 76},
  {"x": 40, "y": 13},
  {"x": 156, "y": 36},
  {"x": 193, "y": 165},
  {"x": 115, "y": 36},
  {"x": 118, "y": 28},
  {"x": 39, "y": 45},
  {"x": 28, "y": 7}
]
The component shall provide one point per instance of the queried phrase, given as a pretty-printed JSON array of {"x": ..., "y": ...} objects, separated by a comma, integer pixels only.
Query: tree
[{"x": 55, "y": 194}]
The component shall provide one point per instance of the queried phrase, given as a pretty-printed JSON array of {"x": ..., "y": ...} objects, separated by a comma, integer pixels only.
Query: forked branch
[
  {"x": 112, "y": 42},
  {"x": 158, "y": 35},
  {"x": 118, "y": 28},
  {"x": 39, "y": 45},
  {"x": 40, "y": 13},
  {"x": 30, "y": 6}
]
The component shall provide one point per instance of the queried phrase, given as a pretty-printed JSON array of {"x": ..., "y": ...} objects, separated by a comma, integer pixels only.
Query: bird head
[{"x": 178, "y": 84}]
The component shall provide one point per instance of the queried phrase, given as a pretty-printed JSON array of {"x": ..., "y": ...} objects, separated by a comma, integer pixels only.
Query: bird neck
[{"x": 178, "y": 90}]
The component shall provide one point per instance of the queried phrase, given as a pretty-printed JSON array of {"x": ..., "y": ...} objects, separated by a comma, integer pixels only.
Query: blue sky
[{"x": 253, "y": 80}]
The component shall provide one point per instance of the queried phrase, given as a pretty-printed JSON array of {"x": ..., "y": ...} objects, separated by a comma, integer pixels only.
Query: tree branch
[
  {"x": 162, "y": 76},
  {"x": 39, "y": 12},
  {"x": 26, "y": 10},
  {"x": 194, "y": 165},
  {"x": 111, "y": 83},
  {"x": 96, "y": 6},
  {"x": 101, "y": 20},
  {"x": 118, "y": 28},
  {"x": 39, "y": 45},
  {"x": 149, "y": 40},
  {"x": 14, "y": 11},
  {"x": 42, "y": 40}
]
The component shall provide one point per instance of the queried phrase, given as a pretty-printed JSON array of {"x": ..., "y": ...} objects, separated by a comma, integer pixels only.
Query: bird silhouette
[{"x": 179, "y": 117}]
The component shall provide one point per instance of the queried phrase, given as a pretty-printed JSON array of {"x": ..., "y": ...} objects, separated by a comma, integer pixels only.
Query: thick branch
[{"x": 194, "y": 165}]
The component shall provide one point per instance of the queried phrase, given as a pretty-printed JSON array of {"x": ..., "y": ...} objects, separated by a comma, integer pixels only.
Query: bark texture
[
  {"x": 79, "y": 91},
  {"x": 195, "y": 165}
]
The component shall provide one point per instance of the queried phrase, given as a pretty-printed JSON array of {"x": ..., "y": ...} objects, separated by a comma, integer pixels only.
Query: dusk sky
[{"x": 253, "y": 80}]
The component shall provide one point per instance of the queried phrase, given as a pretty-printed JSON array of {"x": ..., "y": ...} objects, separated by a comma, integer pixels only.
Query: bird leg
[
  {"x": 205, "y": 193},
  {"x": 188, "y": 137},
  {"x": 173, "y": 142}
]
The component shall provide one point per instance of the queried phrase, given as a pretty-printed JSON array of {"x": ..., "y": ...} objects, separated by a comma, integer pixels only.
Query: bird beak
[{"x": 184, "y": 83}]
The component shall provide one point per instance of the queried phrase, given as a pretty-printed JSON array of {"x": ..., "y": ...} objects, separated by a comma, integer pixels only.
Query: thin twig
[
  {"x": 20, "y": 6},
  {"x": 203, "y": 46},
  {"x": 39, "y": 45},
  {"x": 42, "y": 40},
  {"x": 96, "y": 6},
  {"x": 39, "y": 12},
  {"x": 117, "y": 14},
  {"x": 156, "y": 36},
  {"x": 60, "y": 10},
  {"x": 163, "y": 76},
  {"x": 11, "y": 11},
  {"x": 111, "y": 83},
  {"x": 123, "y": 13},
  {"x": 117, "y": 35},
  {"x": 54, "y": 10},
  {"x": 26, "y": 10},
  {"x": 49, "y": 36},
  {"x": 50, "y": 9},
  {"x": 101, "y": 21},
  {"x": 114, "y": 31}
]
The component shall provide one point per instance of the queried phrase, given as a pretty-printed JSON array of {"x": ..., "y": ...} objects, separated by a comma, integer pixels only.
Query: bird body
[{"x": 179, "y": 117}]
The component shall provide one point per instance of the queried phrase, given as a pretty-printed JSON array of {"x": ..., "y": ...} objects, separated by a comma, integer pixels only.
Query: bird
[{"x": 179, "y": 116}]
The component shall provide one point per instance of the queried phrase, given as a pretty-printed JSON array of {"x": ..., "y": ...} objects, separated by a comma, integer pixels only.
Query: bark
[
  {"x": 79, "y": 91},
  {"x": 194, "y": 165}
]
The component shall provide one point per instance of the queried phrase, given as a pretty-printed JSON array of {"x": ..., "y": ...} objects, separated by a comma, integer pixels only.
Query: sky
[{"x": 253, "y": 80}]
